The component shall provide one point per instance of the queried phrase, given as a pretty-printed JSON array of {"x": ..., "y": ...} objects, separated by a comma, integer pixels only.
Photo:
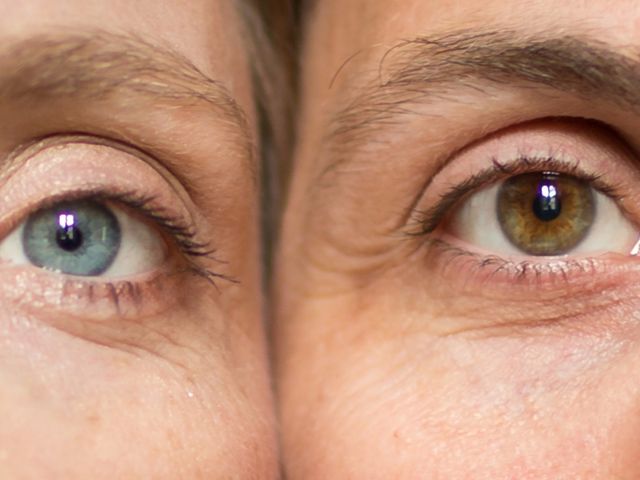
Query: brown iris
[{"x": 545, "y": 213}]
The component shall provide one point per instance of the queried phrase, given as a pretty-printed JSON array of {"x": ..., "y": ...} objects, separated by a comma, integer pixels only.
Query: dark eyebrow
[
  {"x": 427, "y": 68},
  {"x": 97, "y": 65}
]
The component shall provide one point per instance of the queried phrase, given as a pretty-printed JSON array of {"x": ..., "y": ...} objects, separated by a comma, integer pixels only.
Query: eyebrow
[
  {"x": 428, "y": 68},
  {"x": 98, "y": 65}
]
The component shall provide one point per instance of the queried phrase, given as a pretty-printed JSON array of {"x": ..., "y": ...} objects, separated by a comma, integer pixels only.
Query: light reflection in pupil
[
  {"x": 68, "y": 235},
  {"x": 547, "y": 205}
]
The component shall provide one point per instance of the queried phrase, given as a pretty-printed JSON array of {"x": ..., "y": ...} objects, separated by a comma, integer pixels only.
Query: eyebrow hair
[
  {"x": 96, "y": 65},
  {"x": 426, "y": 68}
]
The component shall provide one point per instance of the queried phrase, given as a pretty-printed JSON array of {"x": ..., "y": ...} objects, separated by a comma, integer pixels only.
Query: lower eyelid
[
  {"x": 463, "y": 268},
  {"x": 53, "y": 296},
  {"x": 477, "y": 294}
]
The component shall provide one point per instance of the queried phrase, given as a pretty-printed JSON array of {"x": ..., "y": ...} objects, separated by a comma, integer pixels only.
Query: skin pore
[
  {"x": 412, "y": 340},
  {"x": 155, "y": 367}
]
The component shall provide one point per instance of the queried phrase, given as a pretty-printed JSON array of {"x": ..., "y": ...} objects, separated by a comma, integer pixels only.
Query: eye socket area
[
  {"x": 87, "y": 238},
  {"x": 542, "y": 214},
  {"x": 592, "y": 168}
]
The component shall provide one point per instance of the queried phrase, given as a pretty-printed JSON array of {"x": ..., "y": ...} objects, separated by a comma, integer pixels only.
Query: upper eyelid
[
  {"x": 27, "y": 150},
  {"x": 31, "y": 149}
]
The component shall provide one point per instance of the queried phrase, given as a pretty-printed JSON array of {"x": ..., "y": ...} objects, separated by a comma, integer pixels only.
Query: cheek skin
[
  {"x": 519, "y": 406},
  {"x": 158, "y": 392}
]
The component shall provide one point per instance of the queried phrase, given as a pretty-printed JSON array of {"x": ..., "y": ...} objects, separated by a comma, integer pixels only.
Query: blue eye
[
  {"x": 85, "y": 238},
  {"x": 76, "y": 238}
]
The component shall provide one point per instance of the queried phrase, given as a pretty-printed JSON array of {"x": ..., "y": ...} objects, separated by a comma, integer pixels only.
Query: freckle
[
  {"x": 123, "y": 362},
  {"x": 93, "y": 418}
]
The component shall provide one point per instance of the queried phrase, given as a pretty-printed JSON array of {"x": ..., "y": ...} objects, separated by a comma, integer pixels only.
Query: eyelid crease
[
  {"x": 27, "y": 150},
  {"x": 427, "y": 222}
]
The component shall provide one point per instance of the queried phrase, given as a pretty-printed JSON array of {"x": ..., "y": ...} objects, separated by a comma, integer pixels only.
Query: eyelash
[
  {"x": 523, "y": 271},
  {"x": 184, "y": 235},
  {"x": 426, "y": 222}
]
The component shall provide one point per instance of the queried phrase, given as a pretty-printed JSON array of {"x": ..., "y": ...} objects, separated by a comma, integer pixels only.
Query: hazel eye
[
  {"x": 84, "y": 238},
  {"x": 543, "y": 214}
]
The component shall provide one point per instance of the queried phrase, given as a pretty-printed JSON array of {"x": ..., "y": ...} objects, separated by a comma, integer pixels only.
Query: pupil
[
  {"x": 547, "y": 205},
  {"x": 68, "y": 235}
]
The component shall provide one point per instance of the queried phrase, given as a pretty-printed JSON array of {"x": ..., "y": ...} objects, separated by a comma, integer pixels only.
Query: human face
[
  {"x": 431, "y": 324},
  {"x": 150, "y": 364}
]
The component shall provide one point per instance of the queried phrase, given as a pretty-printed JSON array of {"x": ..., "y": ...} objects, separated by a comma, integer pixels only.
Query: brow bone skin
[{"x": 421, "y": 69}]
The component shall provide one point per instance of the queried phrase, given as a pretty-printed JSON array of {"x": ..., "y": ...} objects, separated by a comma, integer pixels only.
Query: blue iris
[{"x": 77, "y": 238}]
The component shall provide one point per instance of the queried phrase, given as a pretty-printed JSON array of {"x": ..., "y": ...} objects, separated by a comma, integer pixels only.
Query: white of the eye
[
  {"x": 141, "y": 248},
  {"x": 476, "y": 222},
  {"x": 11, "y": 247}
]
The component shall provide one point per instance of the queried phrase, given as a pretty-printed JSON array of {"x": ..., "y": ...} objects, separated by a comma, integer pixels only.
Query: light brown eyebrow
[
  {"x": 425, "y": 69},
  {"x": 97, "y": 65}
]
